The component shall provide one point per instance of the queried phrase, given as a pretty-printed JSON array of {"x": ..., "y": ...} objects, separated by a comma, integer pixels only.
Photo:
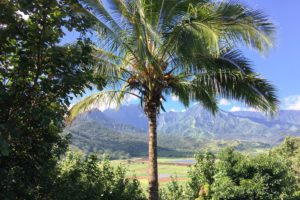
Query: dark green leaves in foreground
[{"x": 37, "y": 77}]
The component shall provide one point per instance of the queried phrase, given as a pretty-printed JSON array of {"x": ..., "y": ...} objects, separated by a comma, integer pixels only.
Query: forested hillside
[{"x": 122, "y": 133}]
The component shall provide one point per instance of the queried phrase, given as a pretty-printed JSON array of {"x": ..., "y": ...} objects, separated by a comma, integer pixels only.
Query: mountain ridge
[{"x": 181, "y": 132}]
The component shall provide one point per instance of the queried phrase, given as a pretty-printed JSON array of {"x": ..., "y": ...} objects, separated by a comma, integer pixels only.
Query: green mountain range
[{"x": 122, "y": 133}]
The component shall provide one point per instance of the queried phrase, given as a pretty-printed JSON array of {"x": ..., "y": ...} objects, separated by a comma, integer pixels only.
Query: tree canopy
[
  {"x": 233, "y": 176},
  {"x": 150, "y": 50},
  {"x": 37, "y": 77}
]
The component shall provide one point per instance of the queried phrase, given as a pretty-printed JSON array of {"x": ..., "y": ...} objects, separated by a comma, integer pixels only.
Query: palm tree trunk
[{"x": 152, "y": 152}]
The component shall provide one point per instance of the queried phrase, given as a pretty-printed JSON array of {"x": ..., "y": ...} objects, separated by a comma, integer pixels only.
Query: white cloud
[
  {"x": 291, "y": 102},
  {"x": 224, "y": 102},
  {"x": 251, "y": 109},
  {"x": 174, "y": 98},
  {"x": 288, "y": 103},
  {"x": 130, "y": 98},
  {"x": 23, "y": 15},
  {"x": 238, "y": 108},
  {"x": 174, "y": 110},
  {"x": 104, "y": 106},
  {"x": 235, "y": 109}
]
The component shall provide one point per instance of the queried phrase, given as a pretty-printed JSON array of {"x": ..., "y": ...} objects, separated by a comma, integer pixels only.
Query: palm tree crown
[{"x": 187, "y": 48}]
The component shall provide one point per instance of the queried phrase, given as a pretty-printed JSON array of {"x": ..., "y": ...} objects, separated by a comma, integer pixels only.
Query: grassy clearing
[{"x": 167, "y": 168}]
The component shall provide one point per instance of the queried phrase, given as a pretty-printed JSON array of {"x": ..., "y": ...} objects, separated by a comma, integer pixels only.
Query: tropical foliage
[
  {"x": 85, "y": 178},
  {"x": 233, "y": 176},
  {"x": 289, "y": 150},
  {"x": 187, "y": 48},
  {"x": 37, "y": 77},
  {"x": 148, "y": 50}
]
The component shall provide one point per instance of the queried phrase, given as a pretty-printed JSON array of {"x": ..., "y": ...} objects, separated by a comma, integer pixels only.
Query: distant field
[{"x": 167, "y": 168}]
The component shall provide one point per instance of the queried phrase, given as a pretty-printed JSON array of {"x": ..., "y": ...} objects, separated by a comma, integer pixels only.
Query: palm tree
[{"x": 188, "y": 48}]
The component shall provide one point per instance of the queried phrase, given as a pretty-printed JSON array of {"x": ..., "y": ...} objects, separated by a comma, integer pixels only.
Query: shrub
[
  {"x": 85, "y": 178},
  {"x": 234, "y": 176}
]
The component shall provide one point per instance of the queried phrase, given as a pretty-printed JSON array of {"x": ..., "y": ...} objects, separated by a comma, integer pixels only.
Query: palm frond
[
  {"x": 101, "y": 100},
  {"x": 251, "y": 89},
  {"x": 187, "y": 49},
  {"x": 90, "y": 102},
  {"x": 244, "y": 25},
  {"x": 188, "y": 91},
  {"x": 97, "y": 8},
  {"x": 211, "y": 27}
]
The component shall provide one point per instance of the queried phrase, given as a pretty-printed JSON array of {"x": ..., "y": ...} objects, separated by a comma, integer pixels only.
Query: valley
[{"x": 122, "y": 134}]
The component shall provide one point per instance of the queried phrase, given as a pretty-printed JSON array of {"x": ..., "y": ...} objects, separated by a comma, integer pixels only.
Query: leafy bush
[
  {"x": 84, "y": 178},
  {"x": 37, "y": 77},
  {"x": 240, "y": 177},
  {"x": 233, "y": 176},
  {"x": 173, "y": 191}
]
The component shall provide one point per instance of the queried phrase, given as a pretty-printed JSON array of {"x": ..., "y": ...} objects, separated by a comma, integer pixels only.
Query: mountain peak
[{"x": 200, "y": 122}]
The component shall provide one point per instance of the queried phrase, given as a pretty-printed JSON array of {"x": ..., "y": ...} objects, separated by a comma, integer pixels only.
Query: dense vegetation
[
  {"x": 86, "y": 178},
  {"x": 290, "y": 151},
  {"x": 234, "y": 176},
  {"x": 39, "y": 76},
  {"x": 190, "y": 49}
]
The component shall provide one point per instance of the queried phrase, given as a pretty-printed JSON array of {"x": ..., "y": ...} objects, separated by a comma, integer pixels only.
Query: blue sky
[{"x": 281, "y": 65}]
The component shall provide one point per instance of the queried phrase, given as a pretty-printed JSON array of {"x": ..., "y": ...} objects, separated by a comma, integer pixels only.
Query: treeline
[{"x": 228, "y": 174}]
